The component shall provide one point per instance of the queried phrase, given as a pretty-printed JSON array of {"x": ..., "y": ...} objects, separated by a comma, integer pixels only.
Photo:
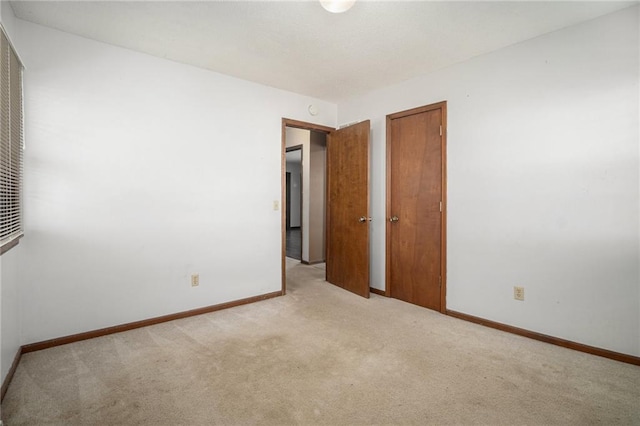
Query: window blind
[{"x": 11, "y": 143}]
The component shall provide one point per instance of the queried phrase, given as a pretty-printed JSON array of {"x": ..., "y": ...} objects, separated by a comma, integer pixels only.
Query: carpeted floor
[{"x": 319, "y": 355}]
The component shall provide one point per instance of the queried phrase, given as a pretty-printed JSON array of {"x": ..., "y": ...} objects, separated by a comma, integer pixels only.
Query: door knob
[
  {"x": 393, "y": 219},
  {"x": 363, "y": 219}
]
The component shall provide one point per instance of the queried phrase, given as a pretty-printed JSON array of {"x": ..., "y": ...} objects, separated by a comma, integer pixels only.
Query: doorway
[
  {"x": 416, "y": 206},
  {"x": 345, "y": 248},
  {"x": 306, "y": 161},
  {"x": 293, "y": 202}
]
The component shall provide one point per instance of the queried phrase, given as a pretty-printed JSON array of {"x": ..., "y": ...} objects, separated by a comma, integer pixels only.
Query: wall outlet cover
[{"x": 518, "y": 293}]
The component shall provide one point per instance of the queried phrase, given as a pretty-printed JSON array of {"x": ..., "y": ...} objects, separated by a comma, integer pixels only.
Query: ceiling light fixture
[{"x": 337, "y": 6}]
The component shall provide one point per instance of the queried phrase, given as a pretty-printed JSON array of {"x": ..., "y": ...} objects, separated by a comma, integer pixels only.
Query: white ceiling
[{"x": 298, "y": 46}]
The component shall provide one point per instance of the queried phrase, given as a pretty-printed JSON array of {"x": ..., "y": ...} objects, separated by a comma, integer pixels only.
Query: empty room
[{"x": 461, "y": 178}]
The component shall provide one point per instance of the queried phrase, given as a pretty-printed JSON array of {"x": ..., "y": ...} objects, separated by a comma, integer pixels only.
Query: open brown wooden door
[{"x": 348, "y": 208}]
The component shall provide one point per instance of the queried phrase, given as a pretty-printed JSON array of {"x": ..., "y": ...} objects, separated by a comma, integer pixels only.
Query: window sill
[{"x": 10, "y": 244}]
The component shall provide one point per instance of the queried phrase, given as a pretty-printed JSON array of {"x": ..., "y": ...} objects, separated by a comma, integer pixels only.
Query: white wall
[
  {"x": 131, "y": 184},
  {"x": 543, "y": 188},
  {"x": 10, "y": 318},
  {"x": 2, "y": 372},
  {"x": 9, "y": 266},
  {"x": 317, "y": 196},
  {"x": 7, "y": 17}
]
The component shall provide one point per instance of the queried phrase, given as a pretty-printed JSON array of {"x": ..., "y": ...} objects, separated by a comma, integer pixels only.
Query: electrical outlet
[
  {"x": 195, "y": 280},
  {"x": 518, "y": 293}
]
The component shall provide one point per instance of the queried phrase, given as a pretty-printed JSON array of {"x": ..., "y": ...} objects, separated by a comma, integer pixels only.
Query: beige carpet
[{"x": 319, "y": 355}]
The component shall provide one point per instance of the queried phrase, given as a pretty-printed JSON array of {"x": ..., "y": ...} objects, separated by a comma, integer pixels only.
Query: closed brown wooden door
[
  {"x": 348, "y": 208},
  {"x": 415, "y": 193}
]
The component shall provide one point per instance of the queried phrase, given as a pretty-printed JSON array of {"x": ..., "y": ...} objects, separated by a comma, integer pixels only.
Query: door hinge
[
  {"x": 441, "y": 130},
  {"x": 440, "y": 281},
  {"x": 440, "y": 206}
]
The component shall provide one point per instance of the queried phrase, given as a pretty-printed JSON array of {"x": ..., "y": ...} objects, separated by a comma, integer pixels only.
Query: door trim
[
  {"x": 287, "y": 122},
  {"x": 443, "y": 223}
]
